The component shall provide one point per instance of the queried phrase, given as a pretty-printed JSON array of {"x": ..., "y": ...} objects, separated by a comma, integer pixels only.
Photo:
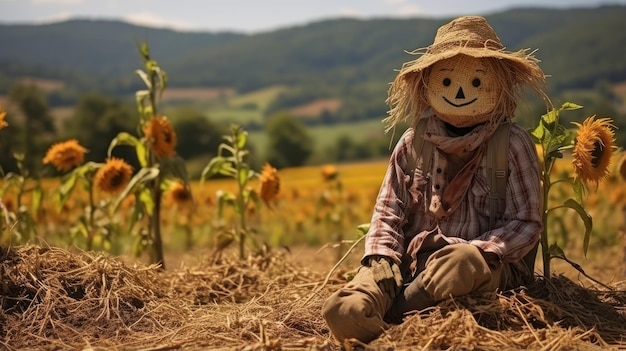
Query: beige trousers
[{"x": 358, "y": 309}]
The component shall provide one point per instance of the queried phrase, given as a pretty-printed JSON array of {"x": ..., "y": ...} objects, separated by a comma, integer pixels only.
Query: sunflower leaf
[
  {"x": 145, "y": 198},
  {"x": 67, "y": 187},
  {"x": 570, "y": 106},
  {"x": 363, "y": 228},
  {"x": 212, "y": 168},
  {"x": 140, "y": 97},
  {"x": 144, "y": 76},
  {"x": 144, "y": 175},
  {"x": 587, "y": 220},
  {"x": 242, "y": 138},
  {"x": 37, "y": 196},
  {"x": 242, "y": 176},
  {"x": 125, "y": 138}
]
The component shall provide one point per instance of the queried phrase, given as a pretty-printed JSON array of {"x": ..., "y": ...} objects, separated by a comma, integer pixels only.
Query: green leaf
[
  {"x": 556, "y": 251},
  {"x": 242, "y": 138},
  {"x": 37, "y": 196},
  {"x": 144, "y": 175},
  {"x": 12, "y": 180},
  {"x": 146, "y": 80},
  {"x": 123, "y": 138},
  {"x": 587, "y": 220},
  {"x": 140, "y": 97},
  {"x": 242, "y": 176},
  {"x": 145, "y": 198},
  {"x": 144, "y": 51},
  {"x": 537, "y": 134},
  {"x": 569, "y": 106},
  {"x": 163, "y": 80},
  {"x": 559, "y": 137},
  {"x": 68, "y": 183},
  {"x": 139, "y": 209},
  {"x": 363, "y": 228},
  {"x": 212, "y": 168},
  {"x": 550, "y": 118},
  {"x": 224, "y": 198},
  {"x": 579, "y": 190}
]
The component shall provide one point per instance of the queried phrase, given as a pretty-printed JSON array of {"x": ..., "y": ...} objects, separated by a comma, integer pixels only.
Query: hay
[{"x": 55, "y": 299}]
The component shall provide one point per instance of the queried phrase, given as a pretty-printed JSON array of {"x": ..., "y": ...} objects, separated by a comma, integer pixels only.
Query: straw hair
[{"x": 470, "y": 36}]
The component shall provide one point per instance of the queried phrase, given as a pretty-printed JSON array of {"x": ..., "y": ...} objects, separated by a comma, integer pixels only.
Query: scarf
[{"x": 445, "y": 197}]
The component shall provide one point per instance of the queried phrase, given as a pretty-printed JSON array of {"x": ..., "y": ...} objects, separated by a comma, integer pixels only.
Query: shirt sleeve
[
  {"x": 522, "y": 219},
  {"x": 386, "y": 236}
]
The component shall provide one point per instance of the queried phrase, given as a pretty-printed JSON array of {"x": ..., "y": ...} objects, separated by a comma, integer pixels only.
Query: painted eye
[
  {"x": 447, "y": 82},
  {"x": 476, "y": 82}
]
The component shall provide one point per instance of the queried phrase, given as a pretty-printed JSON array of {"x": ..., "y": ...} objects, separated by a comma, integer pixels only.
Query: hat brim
[{"x": 427, "y": 59}]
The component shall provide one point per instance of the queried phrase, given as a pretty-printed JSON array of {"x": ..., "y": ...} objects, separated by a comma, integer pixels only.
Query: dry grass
[{"x": 52, "y": 298}]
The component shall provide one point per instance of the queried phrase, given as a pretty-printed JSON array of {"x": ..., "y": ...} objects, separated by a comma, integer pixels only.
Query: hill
[
  {"x": 340, "y": 67},
  {"x": 577, "y": 46}
]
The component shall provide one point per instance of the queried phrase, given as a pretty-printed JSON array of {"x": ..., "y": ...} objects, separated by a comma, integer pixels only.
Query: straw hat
[
  {"x": 474, "y": 37},
  {"x": 468, "y": 35}
]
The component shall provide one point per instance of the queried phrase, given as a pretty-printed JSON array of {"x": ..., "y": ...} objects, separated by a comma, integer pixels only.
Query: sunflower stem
[
  {"x": 155, "y": 188},
  {"x": 240, "y": 200},
  {"x": 92, "y": 209},
  {"x": 548, "y": 163}
]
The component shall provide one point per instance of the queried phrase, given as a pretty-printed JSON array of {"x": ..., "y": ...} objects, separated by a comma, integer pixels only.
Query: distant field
[
  {"x": 325, "y": 136},
  {"x": 195, "y": 94}
]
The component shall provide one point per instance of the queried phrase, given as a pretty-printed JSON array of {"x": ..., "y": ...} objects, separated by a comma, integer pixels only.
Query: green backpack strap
[
  {"x": 498, "y": 171},
  {"x": 421, "y": 149}
]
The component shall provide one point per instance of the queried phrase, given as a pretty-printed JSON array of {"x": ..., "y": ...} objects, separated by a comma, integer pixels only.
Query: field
[
  {"x": 56, "y": 295},
  {"x": 76, "y": 266}
]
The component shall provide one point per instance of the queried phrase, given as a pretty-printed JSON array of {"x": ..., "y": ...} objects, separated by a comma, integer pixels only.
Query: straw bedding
[{"x": 55, "y": 299}]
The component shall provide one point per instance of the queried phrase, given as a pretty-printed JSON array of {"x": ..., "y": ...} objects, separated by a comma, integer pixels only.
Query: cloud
[
  {"x": 407, "y": 10},
  {"x": 152, "y": 20},
  {"x": 349, "y": 12},
  {"x": 403, "y": 8},
  {"x": 57, "y": 17}
]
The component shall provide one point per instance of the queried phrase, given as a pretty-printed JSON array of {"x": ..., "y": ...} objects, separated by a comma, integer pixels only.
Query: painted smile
[{"x": 459, "y": 105}]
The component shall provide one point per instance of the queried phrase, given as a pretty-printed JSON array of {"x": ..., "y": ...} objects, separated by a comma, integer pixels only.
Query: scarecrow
[{"x": 434, "y": 232}]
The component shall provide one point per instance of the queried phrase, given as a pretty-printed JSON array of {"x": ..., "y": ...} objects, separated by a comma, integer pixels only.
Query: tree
[
  {"x": 36, "y": 126},
  {"x": 289, "y": 143},
  {"x": 97, "y": 119},
  {"x": 198, "y": 135}
]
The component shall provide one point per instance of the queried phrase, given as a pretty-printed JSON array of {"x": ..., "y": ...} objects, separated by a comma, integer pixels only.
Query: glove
[
  {"x": 386, "y": 274},
  {"x": 492, "y": 259}
]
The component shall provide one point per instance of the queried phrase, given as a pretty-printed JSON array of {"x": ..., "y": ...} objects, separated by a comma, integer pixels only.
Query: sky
[{"x": 255, "y": 16}]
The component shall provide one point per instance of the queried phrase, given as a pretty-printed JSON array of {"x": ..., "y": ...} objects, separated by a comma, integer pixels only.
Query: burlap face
[{"x": 462, "y": 91}]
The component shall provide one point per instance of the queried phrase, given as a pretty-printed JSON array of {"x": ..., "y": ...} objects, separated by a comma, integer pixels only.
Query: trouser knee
[
  {"x": 457, "y": 270},
  {"x": 352, "y": 319}
]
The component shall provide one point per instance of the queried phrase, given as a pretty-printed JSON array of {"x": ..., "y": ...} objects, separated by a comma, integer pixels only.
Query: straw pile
[{"x": 53, "y": 299}]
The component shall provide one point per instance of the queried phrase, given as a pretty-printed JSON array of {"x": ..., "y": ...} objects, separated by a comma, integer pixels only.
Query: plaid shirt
[{"x": 401, "y": 219}]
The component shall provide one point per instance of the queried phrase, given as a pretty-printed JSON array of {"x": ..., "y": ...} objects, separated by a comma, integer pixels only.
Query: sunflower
[
  {"x": 3, "y": 114},
  {"x": 161, "y": 136},
  {"x": 270, "y": 183},
  {"x": 595, "y": 141},
  {"x": 113, "y": 176},
  {"x": 329, "y": 172},
  {"x": 65, "y": 155},
  {"x": 180, "y": 194}
]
